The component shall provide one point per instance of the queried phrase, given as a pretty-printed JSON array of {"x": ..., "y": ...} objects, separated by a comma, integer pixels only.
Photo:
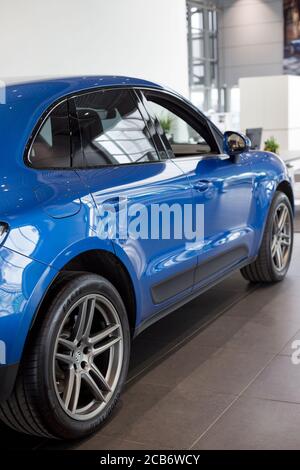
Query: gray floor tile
[
  {"x": 220, "y": 370},
  {"x": 178, "y": 365},
  {"x": 97, "y": 441},
  {"x": 255, "y": 424},
  {"x": 227, "y": 371},
  {"x": 263, "y": 333},
  {"x": 288, "y": 350},
  {"x": 280, "y": 380},
  {"x": 219, "y": 333},
  {"x": 285, "y": 306},
  {"x": 269, "y": 297},
  {"x": 101, "y": 442},
  {"x": 171, "y": 418}
]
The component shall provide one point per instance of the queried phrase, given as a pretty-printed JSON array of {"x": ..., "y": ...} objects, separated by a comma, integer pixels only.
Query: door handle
[{"x": 202, "y": 186}]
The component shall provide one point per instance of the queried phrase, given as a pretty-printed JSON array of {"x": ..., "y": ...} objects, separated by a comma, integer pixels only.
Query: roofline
[{"x": 121, "y": 79}]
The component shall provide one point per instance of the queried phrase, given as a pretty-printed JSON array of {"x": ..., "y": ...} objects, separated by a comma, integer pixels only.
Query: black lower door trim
[
  {"x": 194, "y": 294},
  {"x": 218, "y": 263},
  {"x": 173, "y": 286}
]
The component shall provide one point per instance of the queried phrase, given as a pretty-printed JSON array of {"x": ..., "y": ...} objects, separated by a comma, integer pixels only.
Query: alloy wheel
[
  {"x": 88, "y": 357},
  {"x": 281, "y": 237}
]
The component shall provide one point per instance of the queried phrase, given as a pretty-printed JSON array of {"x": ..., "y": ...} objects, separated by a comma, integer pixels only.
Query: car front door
[
  {"x": 124, "y": 169},
  {"x": 221, "y": 184}
]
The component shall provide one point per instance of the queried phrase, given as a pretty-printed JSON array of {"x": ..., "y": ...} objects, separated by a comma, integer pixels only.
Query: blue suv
[{"x": 76, "y": 155}]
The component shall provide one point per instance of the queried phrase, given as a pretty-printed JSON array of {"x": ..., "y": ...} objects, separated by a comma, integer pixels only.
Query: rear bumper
[{"x": 8, "y": 374}]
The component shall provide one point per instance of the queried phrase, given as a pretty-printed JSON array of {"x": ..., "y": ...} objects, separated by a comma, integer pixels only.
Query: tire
[
  {"x": 83, "y": 340},
  {"x": 266, "y": 268}
]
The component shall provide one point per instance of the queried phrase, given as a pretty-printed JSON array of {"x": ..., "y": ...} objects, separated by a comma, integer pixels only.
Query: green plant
[
  {"x": 271, "y": 145},
  {"x": 166, "y": 123}
]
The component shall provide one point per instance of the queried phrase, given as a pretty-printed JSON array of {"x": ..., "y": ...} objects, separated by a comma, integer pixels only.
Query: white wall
[
  {"x": 273, "y": 103},
  {"x": 250, "y": 39},
  {"x": 142, "y": 38}
]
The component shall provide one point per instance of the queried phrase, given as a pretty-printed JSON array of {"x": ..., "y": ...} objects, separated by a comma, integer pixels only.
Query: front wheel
[
  {"x": 275, "y": 253},
  {"x": 72, "y": 375}
]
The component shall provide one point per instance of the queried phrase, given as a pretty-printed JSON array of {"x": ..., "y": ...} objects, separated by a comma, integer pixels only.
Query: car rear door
[
  {"x": 124, "y": 169},
  {"x": 222, "y": 185}
]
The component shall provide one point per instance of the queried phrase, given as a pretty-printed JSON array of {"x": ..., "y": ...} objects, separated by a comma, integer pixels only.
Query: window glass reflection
[{"x": 112, "y": 129}]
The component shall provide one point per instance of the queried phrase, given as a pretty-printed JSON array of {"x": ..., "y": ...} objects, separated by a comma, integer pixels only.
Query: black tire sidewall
[{"x": 57, "y": 421}]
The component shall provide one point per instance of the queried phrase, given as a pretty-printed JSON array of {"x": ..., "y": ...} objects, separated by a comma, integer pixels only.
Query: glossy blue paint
[
  {"x": 227, "y": 202},
  {"x": 53, "y": 214}
]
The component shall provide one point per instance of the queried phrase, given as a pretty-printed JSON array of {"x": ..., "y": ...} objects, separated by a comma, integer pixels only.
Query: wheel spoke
[
  {"x": 69, "y": 387},
  {"x": 282, "y": 219},
  {"x": 85, "y": 319},
  {"x": 93, "y": 387},
  {"x": 278, "y": 256},
  {"x": 65, "y": 358},
  {"x": 76, "y": 393},
  {"x": 286, "y": 236},
  {"x": 103, "y": 334},
  {"x": 276, "y": 222},
  {"x": 90, "y": 314},
  {"x": 107, "y": 345},
  {"x": 274, "y": 247},
  {"x": 81, "y": 321},
  {"x": 66, "y": 343},
  {"x": 100, "y": 378}
]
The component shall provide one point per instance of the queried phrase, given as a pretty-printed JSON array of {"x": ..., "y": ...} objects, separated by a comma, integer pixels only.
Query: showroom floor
[{"x": 217, "y": 374}]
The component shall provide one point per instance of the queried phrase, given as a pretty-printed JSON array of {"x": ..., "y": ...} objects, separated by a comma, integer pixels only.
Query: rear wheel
[
  {"x": 276, "y": 249},
  {"x": 71, "y": 377}
]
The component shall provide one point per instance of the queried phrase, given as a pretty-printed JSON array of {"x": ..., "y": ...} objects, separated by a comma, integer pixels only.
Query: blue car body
[{"x": 52, "y": 215}]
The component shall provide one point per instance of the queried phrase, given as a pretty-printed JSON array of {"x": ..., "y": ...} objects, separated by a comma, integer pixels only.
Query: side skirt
[{"x": 160, "y": 315}]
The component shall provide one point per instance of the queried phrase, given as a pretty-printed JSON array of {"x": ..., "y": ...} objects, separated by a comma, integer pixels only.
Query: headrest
[{"x": 90, "y": 124}]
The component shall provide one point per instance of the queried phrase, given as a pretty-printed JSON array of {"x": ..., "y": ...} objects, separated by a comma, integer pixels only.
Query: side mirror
[{"x": 235, "y": 143}]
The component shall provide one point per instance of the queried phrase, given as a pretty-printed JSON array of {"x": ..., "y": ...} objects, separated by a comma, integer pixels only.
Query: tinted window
[
  {"x": 51, "y": 147},
  {"x": 182, "y": 137},
  {"x": 112, "y": 129}
]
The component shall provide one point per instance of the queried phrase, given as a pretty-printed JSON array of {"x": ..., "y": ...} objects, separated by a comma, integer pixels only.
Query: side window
[
  {"x": 113, "y": 132},
  {"x": 183, "y": 139},
  {"x": 51, "y": 147}
]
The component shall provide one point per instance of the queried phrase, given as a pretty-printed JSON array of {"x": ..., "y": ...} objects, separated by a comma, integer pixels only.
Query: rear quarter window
[{"x": 51, "y": 147}]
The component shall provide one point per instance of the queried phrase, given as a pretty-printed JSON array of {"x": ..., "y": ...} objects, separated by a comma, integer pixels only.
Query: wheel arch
[
  {"x": 263, "y": 197},
  {"x": 286, "y": 188},
  {"x": 99, "y": 262}
]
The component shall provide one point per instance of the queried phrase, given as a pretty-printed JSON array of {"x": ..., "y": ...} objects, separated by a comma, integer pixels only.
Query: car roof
[{"x": 49, "y": 89}]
